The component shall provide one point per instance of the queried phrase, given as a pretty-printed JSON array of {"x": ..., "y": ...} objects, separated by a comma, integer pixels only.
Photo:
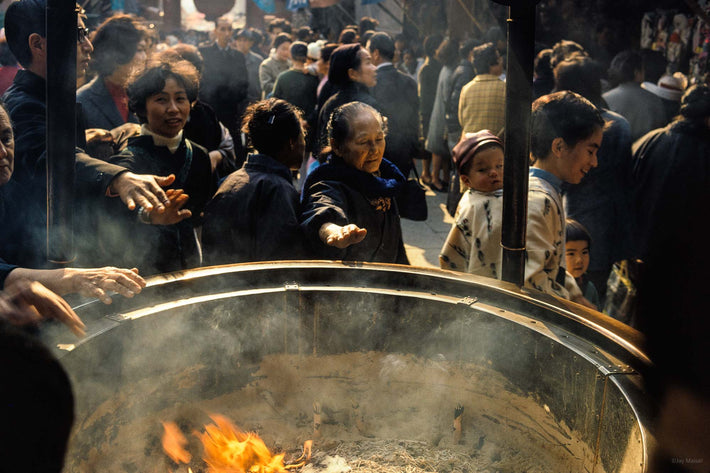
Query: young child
[
  {"x": 578, "y": 243},
  {"x": 565, "y": 135},
  {"x": 473, "y": 244}
]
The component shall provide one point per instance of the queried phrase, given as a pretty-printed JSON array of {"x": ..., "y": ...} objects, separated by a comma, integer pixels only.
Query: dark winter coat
[
  {"x": 338, "y": 193},
  {"x": 396, "y": 95},
  {"x": 100, "y": 110},
  {"x": 254, "y": 216},
  {"x": 160, "y": 248},
  {"x": 26, "y": 104}
]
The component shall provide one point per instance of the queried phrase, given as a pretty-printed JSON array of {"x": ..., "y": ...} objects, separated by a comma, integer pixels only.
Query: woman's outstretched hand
[
  {"x": 341, "y": 237},
  {"x": 174, "y": 211}
]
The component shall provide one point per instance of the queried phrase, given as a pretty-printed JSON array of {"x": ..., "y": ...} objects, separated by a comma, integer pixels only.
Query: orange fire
[
  {"x": 229, "y": 450},
  {"x": 174, "y": 443}
]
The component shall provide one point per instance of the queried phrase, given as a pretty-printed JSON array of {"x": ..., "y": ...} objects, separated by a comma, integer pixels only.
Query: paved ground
[{"x": 423, "y": 240}]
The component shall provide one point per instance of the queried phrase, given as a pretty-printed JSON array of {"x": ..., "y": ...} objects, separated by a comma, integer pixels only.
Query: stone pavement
[{"x": 423, "y": 240}]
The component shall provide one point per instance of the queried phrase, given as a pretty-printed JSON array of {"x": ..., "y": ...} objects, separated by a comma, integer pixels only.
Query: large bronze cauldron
[{"x": 390, "y": 354}]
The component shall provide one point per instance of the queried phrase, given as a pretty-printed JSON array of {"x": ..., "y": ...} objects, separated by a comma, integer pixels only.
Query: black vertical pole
[
  {"x": 518, "y": 98},
  {"x": 61, "y": 128}
]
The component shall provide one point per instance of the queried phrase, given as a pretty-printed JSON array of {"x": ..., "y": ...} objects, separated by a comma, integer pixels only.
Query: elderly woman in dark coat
[
  {"x": 161, "y": 96},
  {"x": 349, "y": 208},
  {"x": 254, "y": 215}
]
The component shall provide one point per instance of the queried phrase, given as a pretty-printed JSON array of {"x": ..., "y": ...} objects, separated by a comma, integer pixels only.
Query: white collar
[{"x": 159, "y": 140}]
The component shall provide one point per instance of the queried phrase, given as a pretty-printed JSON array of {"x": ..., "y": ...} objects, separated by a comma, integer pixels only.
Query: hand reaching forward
[
  {"x": 142, "y": 190},
  {"x": 28, "y": 302},
  {"x": 173, "y": 211},
  {"x": 341, "y": 237},
  {"x": 97, "y": 282}
]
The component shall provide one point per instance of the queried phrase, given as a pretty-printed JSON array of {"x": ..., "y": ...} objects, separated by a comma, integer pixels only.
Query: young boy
[
  {"x": 565, "y": 135},
  {"x": 578, "y": 243},
  {"x": 473, "y": 244}
]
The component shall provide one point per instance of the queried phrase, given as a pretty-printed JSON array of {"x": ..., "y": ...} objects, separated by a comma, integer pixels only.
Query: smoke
[{"x": 368, "y": 366}]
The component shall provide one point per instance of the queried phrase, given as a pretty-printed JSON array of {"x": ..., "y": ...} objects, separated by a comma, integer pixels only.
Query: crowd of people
[
  {"x": 229, "y": 151},
  {"x": 185, "y": 151}
]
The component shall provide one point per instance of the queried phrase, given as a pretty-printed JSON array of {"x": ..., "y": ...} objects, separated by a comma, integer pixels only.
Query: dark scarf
[{"x": 388, "y": 184}]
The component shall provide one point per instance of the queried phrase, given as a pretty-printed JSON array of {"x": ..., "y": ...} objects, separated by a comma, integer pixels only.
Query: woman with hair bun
[
  {"x": 349, "y": 207},
  {"x": 254, "y": 214}
]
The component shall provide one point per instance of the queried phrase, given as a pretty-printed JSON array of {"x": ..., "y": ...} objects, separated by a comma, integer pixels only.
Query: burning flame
[
  {"x": 174, "y": 443},
  {"x": 229, "y": 450}
]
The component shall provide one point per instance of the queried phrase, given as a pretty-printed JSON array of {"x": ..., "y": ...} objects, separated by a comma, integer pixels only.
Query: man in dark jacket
[
  {"x": 224, "y": 84},
  {"x": 26, "y": 104},
  {"x": 672, "y": 192},
  {"x": 396, "y": 94}
]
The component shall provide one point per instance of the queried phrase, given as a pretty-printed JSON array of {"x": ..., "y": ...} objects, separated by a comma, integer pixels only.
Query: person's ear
[
  {"x": 558, "y": 145},
  {"x": 465, "y": 180},
  {"x": 38, "y": 45},
  {"x": 353, "y": 74}
]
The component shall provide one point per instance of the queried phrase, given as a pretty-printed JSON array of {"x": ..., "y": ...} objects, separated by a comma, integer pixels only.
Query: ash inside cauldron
[
  {"x": 369, "y": 412},
  {"x": 385, "y": 368}
]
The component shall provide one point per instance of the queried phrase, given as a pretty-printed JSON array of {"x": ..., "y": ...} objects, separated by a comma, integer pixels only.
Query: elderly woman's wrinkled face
[
  {"x": 7, "y": 148},
  {"x": 168, "y": 110},
  {"x": 365, "y": 145}
]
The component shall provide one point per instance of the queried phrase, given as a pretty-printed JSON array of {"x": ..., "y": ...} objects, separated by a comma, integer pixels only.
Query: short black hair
[
  {"x": 562, "y": 49},
  {"x": 368, "y": 24},
  {"x": 326, "y": 51},
  {"x": 624, "y": 66},
  {"x": 151, "y": 81},
  {"x": 575, "y": 231},
  {"x": 347, "y": 36},
  {"x": 344, "y": 57},
  {"x": 565, "y": 115},
  {"x": 580, "y": 74},
  {"x": 115, "y": 43},
  {"x": 383, "y": 43},
  {"x": 270, "y": 124},
  {"x": 485, "y": 56},
  {"x": 280, "y": 39},
  {"x": 281, "y": 23},
  {"x": 22, "y": 19},
  {"x": 431, "y": 44},
  {"x": 187, "y": 52},
  {"x": 299, "y": 50},
  {"x": 466, "y": 47},
  {"x": 304, "y": 33}
]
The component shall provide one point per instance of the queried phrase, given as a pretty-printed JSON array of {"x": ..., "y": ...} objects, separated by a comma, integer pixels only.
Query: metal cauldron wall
[{"x": 582, "y": 367}]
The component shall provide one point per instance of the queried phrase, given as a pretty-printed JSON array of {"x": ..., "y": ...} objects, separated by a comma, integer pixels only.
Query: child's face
[
  {"x": 486, "y": 171},
  {"x": 577, "y": 256}
]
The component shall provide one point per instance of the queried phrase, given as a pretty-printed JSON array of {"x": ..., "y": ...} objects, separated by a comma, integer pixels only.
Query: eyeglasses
[{"x": 82, "y": 34}]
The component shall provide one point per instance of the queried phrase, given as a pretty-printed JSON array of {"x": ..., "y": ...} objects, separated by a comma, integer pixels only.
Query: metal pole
[
  {"x": 61, "y": 128},
  {"x": 518, "y": 98}
]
